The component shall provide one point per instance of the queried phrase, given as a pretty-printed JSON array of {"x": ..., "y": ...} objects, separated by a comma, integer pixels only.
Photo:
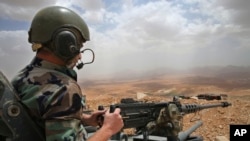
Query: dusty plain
[{"x": 216, "y": 121}]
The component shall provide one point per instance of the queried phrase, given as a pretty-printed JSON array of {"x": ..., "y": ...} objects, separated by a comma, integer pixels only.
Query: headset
[{"x": 65, "y": 43}]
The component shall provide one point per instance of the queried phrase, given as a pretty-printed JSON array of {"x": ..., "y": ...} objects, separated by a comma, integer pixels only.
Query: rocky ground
[{"x": 216, "y": 121}]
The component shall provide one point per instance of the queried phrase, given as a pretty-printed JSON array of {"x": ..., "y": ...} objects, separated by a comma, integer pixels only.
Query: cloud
[
  {"x": 163, "y": 35},
  {"x": 22, "y": 10},
  {"x": 237, "y": 11},
  {"x": 144, "y": 35},
  {"x": 15, "y": 51}
]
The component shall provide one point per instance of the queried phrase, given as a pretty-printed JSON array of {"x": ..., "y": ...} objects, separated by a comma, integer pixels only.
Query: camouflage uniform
[{"x": 54, "y": 99}]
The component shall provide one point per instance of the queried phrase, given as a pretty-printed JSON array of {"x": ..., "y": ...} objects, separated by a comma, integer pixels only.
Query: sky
[{"x": 138, "y": 35}]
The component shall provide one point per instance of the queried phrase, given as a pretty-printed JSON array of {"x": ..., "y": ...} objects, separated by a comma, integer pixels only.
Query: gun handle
[
  {"x": 100, "y": 118},
  {"x": 100, "y": 107},
  {"x": 112, "y": 108}
]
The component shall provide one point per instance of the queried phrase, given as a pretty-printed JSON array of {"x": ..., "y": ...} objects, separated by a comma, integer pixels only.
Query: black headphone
[{"x": 65, "y": 43}]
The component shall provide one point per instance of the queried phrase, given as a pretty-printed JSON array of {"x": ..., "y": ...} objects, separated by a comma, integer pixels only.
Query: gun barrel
[
  {"x": 185, "y": 134},
  {"x": 191, "y": 108}
]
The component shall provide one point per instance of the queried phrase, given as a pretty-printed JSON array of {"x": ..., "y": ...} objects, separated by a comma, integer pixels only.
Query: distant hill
[
  {"x": 228, "y": 77},
  {"x": 233, "y": 75},
  {"x": 232, "y": 72}
]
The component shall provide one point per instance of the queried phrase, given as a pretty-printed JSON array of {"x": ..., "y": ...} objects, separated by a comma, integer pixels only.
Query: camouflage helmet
[{"x": 50, "y": 19}]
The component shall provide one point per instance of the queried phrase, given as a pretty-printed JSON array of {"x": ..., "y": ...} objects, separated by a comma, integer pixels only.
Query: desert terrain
[{"x": 216, "y": 121}]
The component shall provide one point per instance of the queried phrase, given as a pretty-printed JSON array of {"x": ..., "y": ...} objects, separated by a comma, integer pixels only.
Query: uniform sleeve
[
  {"x": 65, "y": 130},
  {"x": 62, "y": 117}
]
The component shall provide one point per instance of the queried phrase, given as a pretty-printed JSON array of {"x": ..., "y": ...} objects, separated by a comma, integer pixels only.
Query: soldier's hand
[
  {"x": 113, "y": 121},
  {"x": 93, "y": 119}
]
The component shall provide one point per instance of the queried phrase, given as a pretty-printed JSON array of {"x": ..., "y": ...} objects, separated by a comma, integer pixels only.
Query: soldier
[{"x": 48, "y": 86}]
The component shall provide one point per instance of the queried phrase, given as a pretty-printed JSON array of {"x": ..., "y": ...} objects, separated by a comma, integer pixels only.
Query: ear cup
[{"x": 65, "y": 44}]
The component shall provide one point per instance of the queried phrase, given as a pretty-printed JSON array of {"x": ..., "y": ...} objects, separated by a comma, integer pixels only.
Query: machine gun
[{"x": 164, "y": 120}]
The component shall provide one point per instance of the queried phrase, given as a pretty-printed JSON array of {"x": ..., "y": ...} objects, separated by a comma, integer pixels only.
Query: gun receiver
[
  {"x": 138, "y": 114},
  {"x": 165, "y": 118}
]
